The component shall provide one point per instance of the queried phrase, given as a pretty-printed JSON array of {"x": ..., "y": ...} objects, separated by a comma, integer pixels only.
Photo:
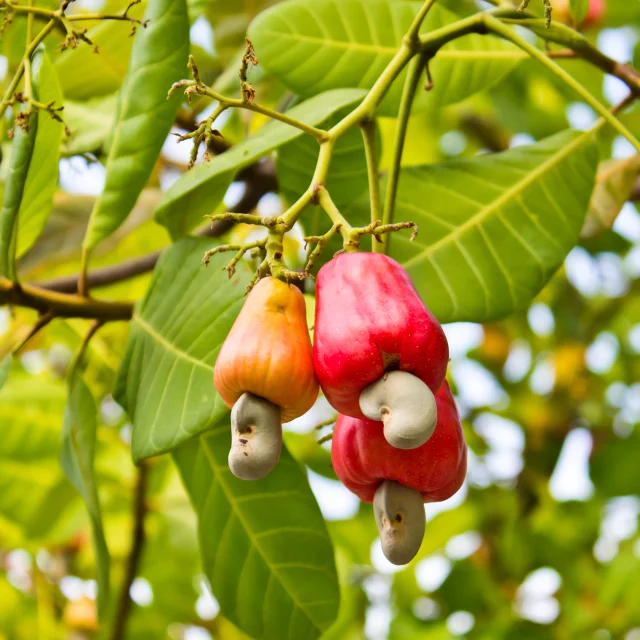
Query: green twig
[
  {"x": 321, "y": 243},
  {"x": 408, "y": 93},
  {"x": 240, "y": 248},
  {"x": 547, "y": 10},
  {"x": 508, "y": 34},
  {"x": 326, "y": 438},
  {"x": 244, "y": 218},
  {"x": 42, "y": 322},
  {"x": 341, "y": 224},
  {"x": 414, "y": 29},
  {"x": 368, "y": 128},
  {"x": 576, "y": 43},
  {"x": 197, "y": 87},
  {"x": 326, "y": 423},
  {"x": 17, "y": 76}
]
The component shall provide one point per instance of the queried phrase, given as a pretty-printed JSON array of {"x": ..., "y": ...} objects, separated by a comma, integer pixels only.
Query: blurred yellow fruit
[
  {"x": 495, "y": 345},
  {"x": 569, "y": 363},
  {"x": 81, "y": 615}
]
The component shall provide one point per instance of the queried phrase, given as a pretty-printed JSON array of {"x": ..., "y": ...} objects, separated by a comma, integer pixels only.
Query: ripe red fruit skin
[
  {"x": 370, "y": 319},
  {"x": 595, "y": 13},
  {"x": 597, "y": 9},
  {"x": 362, "y": 458}
]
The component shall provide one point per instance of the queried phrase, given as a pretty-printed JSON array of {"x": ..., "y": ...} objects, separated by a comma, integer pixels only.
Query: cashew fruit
[
  {"x": 398, "y": 481},
  {"x": 362, "y": 458},
  {"x": 264, "y": 373},
  {"x": 268, "y": 351},
  {"x": 370, "y": 321},
  {"x": 594, "y": 16}
]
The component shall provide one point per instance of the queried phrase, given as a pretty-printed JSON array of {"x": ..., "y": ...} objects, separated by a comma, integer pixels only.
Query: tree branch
[
  {"x": 576, "y": 42},
  {"x": 495, "y": 25},
  {"x": 260, "y": 179},
  {"x": 121, "y": 616},
  {"x": 60, "y": 304}
]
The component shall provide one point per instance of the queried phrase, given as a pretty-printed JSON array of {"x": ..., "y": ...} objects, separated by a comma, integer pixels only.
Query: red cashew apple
[
  {"x": 378, "y": 352},
  {"x": 595, "y": 13},
  {"x": 399, "y": 482}
]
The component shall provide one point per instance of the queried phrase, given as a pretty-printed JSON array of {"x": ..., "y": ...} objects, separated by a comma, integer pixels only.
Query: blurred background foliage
[{"x": 542, "y": 541}]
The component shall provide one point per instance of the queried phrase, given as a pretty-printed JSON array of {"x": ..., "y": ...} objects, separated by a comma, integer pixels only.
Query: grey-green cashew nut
[
  {"x": 399, "y": 513},
  {"x": 256, "y": 437},
  {"x": 405, "y": 405}
]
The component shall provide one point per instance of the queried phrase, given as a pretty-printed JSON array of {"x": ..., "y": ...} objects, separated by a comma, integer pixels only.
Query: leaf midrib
[
  {"x": 163, "y": 342},
  {"x": 234, "y": 504},
  {"x": 486, "y": 211}
]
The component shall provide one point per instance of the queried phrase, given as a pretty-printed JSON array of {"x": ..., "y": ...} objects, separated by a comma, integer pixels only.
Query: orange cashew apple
[{"x": 264, "y": 373}]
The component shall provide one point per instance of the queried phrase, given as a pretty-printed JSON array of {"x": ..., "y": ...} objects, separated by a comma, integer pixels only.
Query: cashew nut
[
  {"x": 256, "y": 437},
  {"x": 399, "y": 513},
  {"x": 405, "y": 405}
]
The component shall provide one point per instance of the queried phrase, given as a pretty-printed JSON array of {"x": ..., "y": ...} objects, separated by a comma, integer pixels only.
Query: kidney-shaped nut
[
  {"x": 256, "y": 437},
  {"x": 406, "y": 406},
  {"x": 399, "y": 513}
]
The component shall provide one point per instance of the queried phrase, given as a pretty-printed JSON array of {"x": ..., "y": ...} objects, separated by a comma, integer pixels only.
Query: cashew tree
[{"x": 230, "y": 234}]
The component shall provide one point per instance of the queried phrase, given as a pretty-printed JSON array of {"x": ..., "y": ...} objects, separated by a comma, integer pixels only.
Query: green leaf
[
  {"x": 265, "y": 546},
  {"x": 21, "y": 152},
  {"x": 165, "y": 381},
  {"x": 316, "y": 46},
  {"x": 493, "y": 229},
  {"x": 42, "y": 178},
  {"x": 33, "y": 172},
  {"x": 306, "y": 450},
  {"x": 296, "y": 162},
  {"x": 84, "y": 75},
  {"x": 579, "y": 9},
  {"x": 90, "y": 124},
  {"x": 615, "y": 182},
  {"x": 230, "y": 21},
  {"x": 606, "y": 242},
  {"x": 145, "y": 115},
  {"x": 614, "y": 467},
  {"x": 5, "y": 368},
  {"x": 30, "y": 412},
  {"x": 199, "y": 191},
  {"x": 77, "y": 457}
]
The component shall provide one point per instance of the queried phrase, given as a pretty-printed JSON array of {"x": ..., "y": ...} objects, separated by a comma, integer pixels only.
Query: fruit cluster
[{"x": 380, "y": 358}]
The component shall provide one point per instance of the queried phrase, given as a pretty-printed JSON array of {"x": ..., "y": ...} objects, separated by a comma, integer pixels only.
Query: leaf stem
[
  {"x": 508, "y": 34},
  {"x": 408, "y": 93},
  {"x": 368, "y": 128}
]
